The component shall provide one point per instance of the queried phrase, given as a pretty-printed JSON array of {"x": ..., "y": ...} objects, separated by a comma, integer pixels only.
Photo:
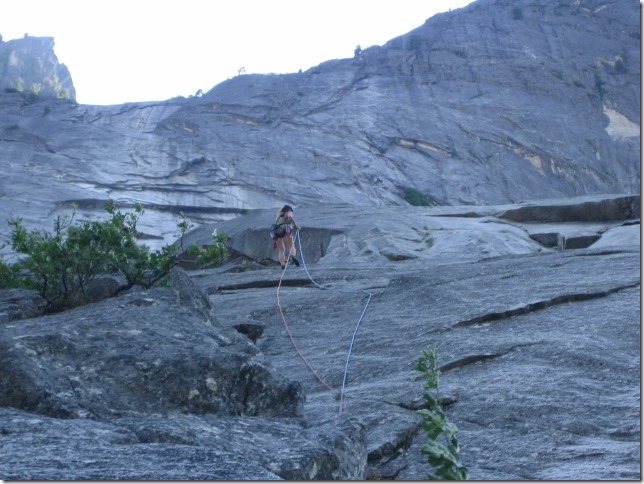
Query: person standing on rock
[{"x": 283, "y": 234}]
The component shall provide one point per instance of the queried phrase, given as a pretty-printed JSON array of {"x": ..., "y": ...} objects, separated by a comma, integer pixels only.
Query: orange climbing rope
[{"x": 355, "y": 332}]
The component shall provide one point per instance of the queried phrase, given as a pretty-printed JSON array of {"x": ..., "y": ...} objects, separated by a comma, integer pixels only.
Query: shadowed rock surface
[{"x": 539, "y": 349}]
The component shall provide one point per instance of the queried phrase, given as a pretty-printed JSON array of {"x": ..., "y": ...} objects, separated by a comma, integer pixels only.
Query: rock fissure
[
  {"x": 260, "y": 284},
  {"x": 469, "y": 360},
  {"x": 538, "y": 306}
]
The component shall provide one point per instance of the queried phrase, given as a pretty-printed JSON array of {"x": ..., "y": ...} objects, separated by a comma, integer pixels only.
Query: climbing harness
[{"x": 353, "y": 337}]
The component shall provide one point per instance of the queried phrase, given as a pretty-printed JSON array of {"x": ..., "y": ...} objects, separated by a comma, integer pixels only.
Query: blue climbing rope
[{"x": 355, "y": 332}]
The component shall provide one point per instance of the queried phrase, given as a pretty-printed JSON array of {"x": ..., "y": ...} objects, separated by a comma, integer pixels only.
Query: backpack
[{"x": 280, "y": 228}]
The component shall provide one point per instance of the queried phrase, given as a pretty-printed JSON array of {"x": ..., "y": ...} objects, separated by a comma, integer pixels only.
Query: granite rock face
[
  {"x": 245, "y": 372},
  {"x": 30, "y": 67},
  {"x": 498, "y": 102},
  {"x": 515, "y": 121},
  {"x": 202, "y": 369}
]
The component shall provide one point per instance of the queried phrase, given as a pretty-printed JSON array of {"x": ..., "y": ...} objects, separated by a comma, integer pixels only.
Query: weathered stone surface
[
  {"x": 540, "y": 353},
  {"x": 136, "y": 354},
  {"x": 156, "y": 367},
  {"x": 494, "y": 103},
  {"x": 104, "y": 286},
  {"x": 619, "y": 236},
  {"x": 528, "y": 337},
  {"x": 35, "y": 447},
  {"x": 539, "y": 349},
  {"x": 20, "y": 304},
  {"x": 539, "y": 343},
  {"x": 338, "y": 232},
  {"x": 578, "y": 209}
]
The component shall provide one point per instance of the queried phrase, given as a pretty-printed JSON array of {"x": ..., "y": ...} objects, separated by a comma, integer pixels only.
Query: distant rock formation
[
  {"x": 498, "y": 102},
  {"x": 30, "y": 67}
]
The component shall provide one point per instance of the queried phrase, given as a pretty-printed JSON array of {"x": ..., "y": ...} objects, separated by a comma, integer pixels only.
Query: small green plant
[
  {"x": 9, "y": 275},
  {"x": 184, "y": 226},
  {"x": 416, "y": 198},
  {"x": 214, "y": 254},
  {"x": 443, "y": 457}
]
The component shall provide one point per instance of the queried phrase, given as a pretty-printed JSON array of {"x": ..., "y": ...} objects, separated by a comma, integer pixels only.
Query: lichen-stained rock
[{"x": 137, "y": 354}]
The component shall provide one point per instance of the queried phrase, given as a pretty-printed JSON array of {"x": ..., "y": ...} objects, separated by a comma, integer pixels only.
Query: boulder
[
  {"x": 578, "y": 209},
  {"x": 20, "y": 304},
  {"x": 145, "y": 352}
]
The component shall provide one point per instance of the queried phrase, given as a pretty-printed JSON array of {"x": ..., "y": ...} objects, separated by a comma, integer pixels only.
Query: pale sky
[{"x": 120, "y": 51}]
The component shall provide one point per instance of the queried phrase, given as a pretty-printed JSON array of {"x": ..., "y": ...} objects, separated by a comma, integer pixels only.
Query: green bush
[
  {"x": 414, "y": 197},
  {"x": 442, "y": 456},
  {"x": 60, "y": 264},
  {"x": 9, "y": 275},
  {"x": 211, "y": 255}
]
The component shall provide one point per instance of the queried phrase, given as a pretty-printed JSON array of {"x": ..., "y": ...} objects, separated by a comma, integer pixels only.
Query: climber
[{"x": 282, "y": 232}]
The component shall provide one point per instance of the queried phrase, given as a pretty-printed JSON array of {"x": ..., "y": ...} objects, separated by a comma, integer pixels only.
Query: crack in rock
[
  {"x": 260, "y": 285},
  {"x": 472, "y": 359},
  {"x": 539, "y": 305}
]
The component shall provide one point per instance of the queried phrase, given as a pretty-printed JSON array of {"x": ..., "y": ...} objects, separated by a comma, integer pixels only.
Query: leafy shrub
[
  {"x": 9, "y": 275},
  {"x": 211, "y": 254},
  {"x": 60, "y": 264},
  {"x": 414, "y": 197},
  {"x": 443, "y": 457}
]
